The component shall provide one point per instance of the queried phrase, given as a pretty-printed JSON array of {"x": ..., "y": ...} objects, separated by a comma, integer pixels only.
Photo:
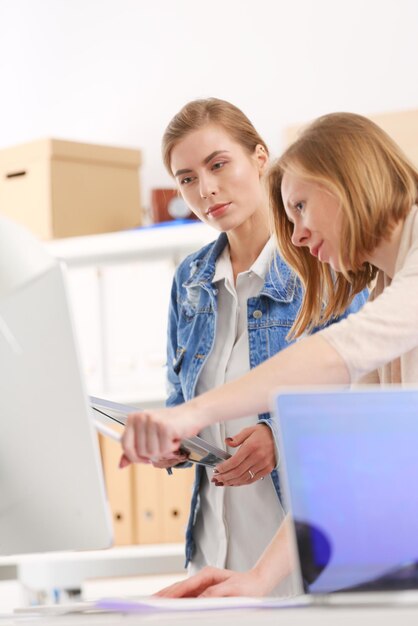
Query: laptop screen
[{"x": 350, "y": 474}]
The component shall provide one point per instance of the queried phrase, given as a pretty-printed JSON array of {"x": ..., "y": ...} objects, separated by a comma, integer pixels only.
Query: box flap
[{"x": 61, "y": 149}]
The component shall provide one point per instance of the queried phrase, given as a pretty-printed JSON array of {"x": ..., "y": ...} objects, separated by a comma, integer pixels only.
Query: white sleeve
[{"x": 385, "y": 328}]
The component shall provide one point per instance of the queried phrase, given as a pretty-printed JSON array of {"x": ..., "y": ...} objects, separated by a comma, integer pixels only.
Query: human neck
[
  {"x": 385, "y": 255},
  {"x": 247, "y": 241}
]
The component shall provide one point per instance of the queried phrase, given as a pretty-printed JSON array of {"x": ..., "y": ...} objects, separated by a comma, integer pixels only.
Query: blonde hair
[
  {"x": 376, "y": 186},
  {"x": 199, "y": 113}
]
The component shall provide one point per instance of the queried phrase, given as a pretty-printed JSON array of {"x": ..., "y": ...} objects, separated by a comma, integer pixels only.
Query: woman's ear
[{"x": 261, "y": 157}]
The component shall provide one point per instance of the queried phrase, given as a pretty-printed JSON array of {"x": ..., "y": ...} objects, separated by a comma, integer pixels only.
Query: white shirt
[{"x": 234, "y": 524}]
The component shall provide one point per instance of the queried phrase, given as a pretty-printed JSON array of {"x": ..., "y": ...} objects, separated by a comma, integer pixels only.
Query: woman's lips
[
  {"x": 315, "y": 250},
  {"x": 216, "y": 210}
]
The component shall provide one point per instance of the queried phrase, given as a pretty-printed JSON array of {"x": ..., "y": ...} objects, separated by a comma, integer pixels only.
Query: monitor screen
[{"x": 52, "y": 494}]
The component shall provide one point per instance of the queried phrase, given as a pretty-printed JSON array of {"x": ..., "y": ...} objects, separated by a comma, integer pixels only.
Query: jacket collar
[
  {"x": 202, "y": 270},
  {"x": 280, "y": 283}
]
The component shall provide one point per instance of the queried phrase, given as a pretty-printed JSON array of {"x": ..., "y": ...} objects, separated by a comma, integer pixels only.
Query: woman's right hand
[
  {"x": 165, "y": 462},
  {"x": 152, "y": 435}
]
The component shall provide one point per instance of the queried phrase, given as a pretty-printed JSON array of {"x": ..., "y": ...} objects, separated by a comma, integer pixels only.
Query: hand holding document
[{"x": 195, "y": 448}]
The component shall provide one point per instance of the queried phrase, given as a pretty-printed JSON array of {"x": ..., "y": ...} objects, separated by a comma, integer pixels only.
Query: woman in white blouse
[{"x": 344, "y": 199}]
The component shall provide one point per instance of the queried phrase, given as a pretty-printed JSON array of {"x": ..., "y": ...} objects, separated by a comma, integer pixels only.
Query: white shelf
[
  {"x": 119, "y": 286},
  {"x": 143, "y": 243}
]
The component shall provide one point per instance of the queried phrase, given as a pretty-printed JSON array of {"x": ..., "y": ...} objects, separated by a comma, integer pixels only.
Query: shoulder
[
  {"x": 198, "y": 255},
  {"x": 200, "y": 259}
]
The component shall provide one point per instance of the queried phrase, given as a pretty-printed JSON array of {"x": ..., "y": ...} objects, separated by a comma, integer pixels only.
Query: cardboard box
[{"x": 62, "y": 188}]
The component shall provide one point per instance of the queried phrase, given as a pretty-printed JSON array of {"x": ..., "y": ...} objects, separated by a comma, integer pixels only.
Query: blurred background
[{"x": 115, "y": 71}]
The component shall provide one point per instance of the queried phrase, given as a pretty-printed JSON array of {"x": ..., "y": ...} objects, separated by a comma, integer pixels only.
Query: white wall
[{"x": 115, "y": 71}]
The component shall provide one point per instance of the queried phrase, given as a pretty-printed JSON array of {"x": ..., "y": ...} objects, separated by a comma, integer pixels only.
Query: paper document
[
  {"x": 153, "y": 604},
  {"x": 197, "y": 449}
]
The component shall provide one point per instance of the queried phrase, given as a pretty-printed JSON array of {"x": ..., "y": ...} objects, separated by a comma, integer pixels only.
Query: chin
[{"x": 336, "y": 267}]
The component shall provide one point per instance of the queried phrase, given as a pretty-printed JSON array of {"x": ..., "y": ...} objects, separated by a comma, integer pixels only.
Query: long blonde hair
[
  {"x": 376, "y": 186},
  {"x": 198, "y": 113}
]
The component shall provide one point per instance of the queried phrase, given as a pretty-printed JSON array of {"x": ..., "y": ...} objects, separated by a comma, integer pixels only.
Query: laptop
[{"x": 349, "y": 473}]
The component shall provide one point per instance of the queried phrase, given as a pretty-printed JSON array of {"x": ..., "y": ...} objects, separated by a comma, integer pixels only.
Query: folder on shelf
[{"x": 198, "y": 450}]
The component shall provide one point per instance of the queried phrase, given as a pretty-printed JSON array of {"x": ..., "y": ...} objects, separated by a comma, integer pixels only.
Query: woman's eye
[
  {"x": 218, "y": 165},
  {"x": 299, "y": 206},
  {"x": 186, "y": 180}
]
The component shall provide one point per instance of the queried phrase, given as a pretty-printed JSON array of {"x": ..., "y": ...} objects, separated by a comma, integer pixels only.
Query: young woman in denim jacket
[{"x": 232, "y": 305}]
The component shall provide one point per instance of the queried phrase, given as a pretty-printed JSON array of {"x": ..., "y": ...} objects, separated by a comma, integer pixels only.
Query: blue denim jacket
[{"x": 191, "y": 333}]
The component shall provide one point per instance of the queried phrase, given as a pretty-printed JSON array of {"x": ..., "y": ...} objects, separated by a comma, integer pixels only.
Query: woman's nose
[
  {"x": 300, "y": 235},
  {"x": 207, "y": 186}
]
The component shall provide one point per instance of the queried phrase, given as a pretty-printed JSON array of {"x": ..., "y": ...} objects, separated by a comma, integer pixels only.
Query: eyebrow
[{"x": 206, "y": 160}]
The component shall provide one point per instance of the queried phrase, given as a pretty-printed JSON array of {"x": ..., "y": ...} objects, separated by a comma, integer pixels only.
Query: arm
[
  {"x": 258, "y": 447},
  {"x": 384, "y": 329},
  {"x": 381, "y": 331},
  {"x": 276, "y": 562},
  {"x": 311, "y": 361},
  {"x": 258, "y": 451}
]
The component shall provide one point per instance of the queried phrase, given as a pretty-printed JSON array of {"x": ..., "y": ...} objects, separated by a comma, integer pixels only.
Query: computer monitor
[{"x": 52, "y": 494}]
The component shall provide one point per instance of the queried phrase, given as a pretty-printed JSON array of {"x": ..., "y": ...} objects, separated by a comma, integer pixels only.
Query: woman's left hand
[
  {"x": 255, "y": 458},
  {"x": 212, "y": 582}
]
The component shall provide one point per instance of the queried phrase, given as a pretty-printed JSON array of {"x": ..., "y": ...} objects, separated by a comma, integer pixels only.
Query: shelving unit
[{"x": 119, "y": 285}]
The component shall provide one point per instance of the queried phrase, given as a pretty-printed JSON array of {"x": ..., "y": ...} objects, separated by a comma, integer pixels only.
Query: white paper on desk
[{"x": 163, "y": 605}]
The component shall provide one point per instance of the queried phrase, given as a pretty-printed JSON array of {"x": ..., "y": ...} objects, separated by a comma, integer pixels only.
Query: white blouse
[{"x": 234, "y": 525}]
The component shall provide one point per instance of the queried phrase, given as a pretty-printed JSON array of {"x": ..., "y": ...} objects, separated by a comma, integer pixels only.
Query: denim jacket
[{"x": 191, "y": 333}]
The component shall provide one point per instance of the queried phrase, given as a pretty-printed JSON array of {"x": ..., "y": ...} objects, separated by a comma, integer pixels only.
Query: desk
[
  {"x": 311, "y": 616},
  {"x": 69, "y": 570}
]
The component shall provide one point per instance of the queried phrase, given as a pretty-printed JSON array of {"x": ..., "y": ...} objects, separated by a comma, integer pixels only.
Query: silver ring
[{"x": 251, "y": 474}]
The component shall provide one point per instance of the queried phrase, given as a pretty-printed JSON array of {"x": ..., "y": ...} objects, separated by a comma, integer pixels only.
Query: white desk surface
[
  {"x": 311, "y": 616},
  {"x": 70, "y": 569}
]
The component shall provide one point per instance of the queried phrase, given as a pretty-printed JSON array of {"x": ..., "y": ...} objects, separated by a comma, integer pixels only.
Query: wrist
[
  {"x": 199, "y": 410},
  {"x": 263, "y": 579}
]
